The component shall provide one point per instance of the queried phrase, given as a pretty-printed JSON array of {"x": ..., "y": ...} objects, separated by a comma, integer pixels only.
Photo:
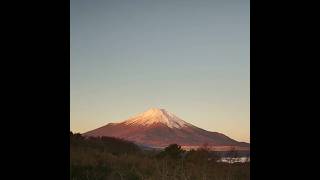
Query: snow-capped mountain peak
[
  {"x": 160, "y": 128},
  {"x": 156, "y": 115}
]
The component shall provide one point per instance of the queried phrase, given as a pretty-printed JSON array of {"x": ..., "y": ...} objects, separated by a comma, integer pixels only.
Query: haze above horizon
[{"x": 188, "y": 57}]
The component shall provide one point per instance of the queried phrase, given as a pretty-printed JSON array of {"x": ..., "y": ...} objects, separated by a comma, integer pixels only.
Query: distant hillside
[
  {"x": 106, "y": 158},
  {"x": 103, "y": 144}
]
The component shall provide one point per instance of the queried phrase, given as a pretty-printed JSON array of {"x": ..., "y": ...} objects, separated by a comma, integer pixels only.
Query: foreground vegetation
[{"x": 109, "y": 158}]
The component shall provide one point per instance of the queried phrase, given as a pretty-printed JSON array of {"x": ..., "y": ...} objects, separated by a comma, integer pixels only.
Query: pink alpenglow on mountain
[{"x": 158, "y": 128}]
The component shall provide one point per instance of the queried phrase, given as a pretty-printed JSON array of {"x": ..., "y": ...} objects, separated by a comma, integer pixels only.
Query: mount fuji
[{"x": 158, "y": 128}]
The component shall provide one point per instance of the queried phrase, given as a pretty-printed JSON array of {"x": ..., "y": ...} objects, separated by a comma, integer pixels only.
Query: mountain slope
[{"x": 159, "y": 128}]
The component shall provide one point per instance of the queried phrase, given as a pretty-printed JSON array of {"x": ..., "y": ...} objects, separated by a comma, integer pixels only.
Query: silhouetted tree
[
  {"x": 173, "y": 151},
  {"x": 198, "y": 156}
]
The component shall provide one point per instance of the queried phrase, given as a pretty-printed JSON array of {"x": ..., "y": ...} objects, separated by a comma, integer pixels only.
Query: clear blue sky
[{"x": 188, "y": 57}]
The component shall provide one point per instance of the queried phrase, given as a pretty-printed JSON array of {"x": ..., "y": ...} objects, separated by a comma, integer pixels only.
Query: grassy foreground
[{"x": 109, "y": 158}]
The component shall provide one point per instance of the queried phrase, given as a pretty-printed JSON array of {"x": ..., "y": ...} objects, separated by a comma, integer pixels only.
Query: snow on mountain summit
[{"x": 155, "y": 115}]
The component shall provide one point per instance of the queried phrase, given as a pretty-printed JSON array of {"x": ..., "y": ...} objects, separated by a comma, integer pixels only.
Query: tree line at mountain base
[{"x": 107, "y": 158}]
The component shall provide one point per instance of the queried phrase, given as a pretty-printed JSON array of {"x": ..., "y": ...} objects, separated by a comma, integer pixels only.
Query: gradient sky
[{"x": 188, "y": 57}]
